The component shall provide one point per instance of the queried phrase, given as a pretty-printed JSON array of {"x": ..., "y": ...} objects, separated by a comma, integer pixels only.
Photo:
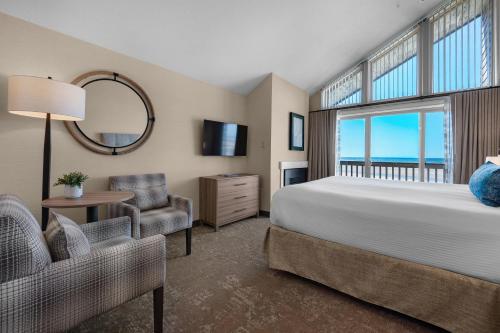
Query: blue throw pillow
[{"x": 485, "y": 184}]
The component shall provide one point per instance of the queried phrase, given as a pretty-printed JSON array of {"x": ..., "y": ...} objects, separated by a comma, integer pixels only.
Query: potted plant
[{"x": 72, "y": 182}]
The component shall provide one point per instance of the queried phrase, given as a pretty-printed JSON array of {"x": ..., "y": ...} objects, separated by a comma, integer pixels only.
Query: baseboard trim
[
  {"x": 196, "y": 223},
  {"x": 264, "y": 213}
]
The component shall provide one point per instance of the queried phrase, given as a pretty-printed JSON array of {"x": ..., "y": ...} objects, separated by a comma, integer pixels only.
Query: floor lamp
[{"x": 50, "y": 99}]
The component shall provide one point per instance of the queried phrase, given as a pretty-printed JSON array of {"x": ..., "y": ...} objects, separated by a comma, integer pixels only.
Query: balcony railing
[{"x": 402, "y": 171}]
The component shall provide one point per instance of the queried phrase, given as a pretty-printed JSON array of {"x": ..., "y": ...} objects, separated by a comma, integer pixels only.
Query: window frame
[
  {"x": 438, "y": 104},
  {"x": 356, "y": 70},
  {"x": 494, "y": 34},
  {"x": 414, "y": 31}
]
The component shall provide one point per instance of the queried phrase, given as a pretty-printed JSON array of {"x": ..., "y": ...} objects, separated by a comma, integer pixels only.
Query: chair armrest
[
  {"x": 182, "y": 203},
  {"x": 106, "y": 229},
  {"x": 70, "y": 291},
  {"x": 122, "y": 209}
]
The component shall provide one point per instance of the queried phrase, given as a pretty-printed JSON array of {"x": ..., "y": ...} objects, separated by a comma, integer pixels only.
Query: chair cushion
[
  {"x": 65, "y": 238},
  {"x": 485, "y": 184},
  {"x": 151, "y": 198},
  {"x": 163, "y": 221},
  {"x": 23, "y": 250},
  {"x": 150, "y": 189},
  {"x": 111, "y": 242}
]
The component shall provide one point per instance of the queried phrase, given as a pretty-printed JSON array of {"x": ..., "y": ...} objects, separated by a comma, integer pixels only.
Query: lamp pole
[
  {"x": 47, "y": 156},
  {"x": 46, "y": 170}
]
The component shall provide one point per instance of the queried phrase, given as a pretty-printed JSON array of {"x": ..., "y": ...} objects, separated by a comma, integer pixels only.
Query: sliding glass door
[
  {"x": 351, "y": 147},
  {"x": 395, "y": 141},
  {"x": 404, "y": 142}
]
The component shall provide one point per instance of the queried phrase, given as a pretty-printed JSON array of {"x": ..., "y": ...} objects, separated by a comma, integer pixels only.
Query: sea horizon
[{"x": 436, "y": 160}]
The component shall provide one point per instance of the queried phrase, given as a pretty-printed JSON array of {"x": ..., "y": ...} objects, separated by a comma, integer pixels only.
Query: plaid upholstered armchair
[
  {"x": 153, "y": 210},
  {"x": 38, "y": 294}
]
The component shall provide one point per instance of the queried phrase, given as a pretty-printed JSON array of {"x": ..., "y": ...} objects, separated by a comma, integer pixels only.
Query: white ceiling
[{"x": 232, "y": 43}]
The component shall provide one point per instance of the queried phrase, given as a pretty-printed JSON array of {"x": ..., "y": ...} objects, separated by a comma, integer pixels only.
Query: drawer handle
[
  {"x": 243, "y": 196},
  {"x": 239, "y": 210},
  {"x": 240, "y": 184}
]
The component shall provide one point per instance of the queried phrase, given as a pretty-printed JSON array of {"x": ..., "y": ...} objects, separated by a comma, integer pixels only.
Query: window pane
[
  {"x": 395, "y": 147},
  {"x": 434, "y": 147},
  {"x": 343, "y": 91},
  {"x": 462, "y": 46},
  {"x": 351, "y": 147},
  {"x": 394, "y": 69}
]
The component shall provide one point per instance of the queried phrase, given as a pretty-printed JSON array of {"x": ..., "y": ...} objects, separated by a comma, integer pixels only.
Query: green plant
[{"x": 75, "y": 178}]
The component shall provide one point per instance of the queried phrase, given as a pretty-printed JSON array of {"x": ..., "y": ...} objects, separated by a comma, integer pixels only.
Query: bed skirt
[{"x": 455, "y": 302}]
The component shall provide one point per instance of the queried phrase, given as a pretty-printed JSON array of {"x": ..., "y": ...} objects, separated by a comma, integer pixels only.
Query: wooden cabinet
[{"x": 228, "y": 199}]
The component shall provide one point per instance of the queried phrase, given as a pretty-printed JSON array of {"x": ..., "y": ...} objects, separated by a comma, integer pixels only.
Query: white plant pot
[{"x": 73, "y": 192}]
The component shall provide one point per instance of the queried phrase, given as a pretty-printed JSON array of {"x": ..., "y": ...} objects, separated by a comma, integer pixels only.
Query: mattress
[{"x": 440, "y": 225}]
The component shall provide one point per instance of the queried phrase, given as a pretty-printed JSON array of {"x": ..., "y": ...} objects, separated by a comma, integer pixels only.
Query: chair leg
[
  {"x": 189, "y": 232},
  {"x": 158, "y": 309}
]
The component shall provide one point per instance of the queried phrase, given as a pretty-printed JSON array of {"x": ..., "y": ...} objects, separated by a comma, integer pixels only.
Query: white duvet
[{"x": 440, "y": 225}]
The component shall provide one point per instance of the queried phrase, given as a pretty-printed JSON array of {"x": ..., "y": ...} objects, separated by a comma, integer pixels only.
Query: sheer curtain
[
  {"x": 321, "y": 151},
  {"x": 476, "y": 117}
]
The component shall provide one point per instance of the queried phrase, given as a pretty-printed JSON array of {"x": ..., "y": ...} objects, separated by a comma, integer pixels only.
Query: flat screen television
[{"x": 224, "y": 139}]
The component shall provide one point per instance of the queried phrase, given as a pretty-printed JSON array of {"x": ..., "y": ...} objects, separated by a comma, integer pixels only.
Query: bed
[{"x": 431, "y": 251}]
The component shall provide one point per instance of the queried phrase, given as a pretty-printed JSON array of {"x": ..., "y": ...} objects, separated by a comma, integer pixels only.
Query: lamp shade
[{"x": 36, "y": 97}]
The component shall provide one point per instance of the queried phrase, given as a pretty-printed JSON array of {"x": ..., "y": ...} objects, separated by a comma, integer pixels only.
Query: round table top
[{"x": 88, "y": 199}]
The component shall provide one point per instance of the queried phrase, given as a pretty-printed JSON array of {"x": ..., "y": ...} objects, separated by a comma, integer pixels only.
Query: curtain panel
[
  {"x": 476, "y": 123},
  {"x": 321, "y": 151}
]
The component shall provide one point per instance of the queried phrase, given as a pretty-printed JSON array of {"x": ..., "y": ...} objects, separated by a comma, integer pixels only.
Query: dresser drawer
[
  {"x": 232, "y": 197},
  {"x": 237, "y": 211},
  {"x": 237, "y": 185}
]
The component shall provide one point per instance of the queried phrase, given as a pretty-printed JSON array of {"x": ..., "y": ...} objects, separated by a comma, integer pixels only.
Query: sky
[{"x": 393, "y": 136}]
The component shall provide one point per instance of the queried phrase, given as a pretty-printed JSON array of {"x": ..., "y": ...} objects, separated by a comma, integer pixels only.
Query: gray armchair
[
  {"x": 39, "y": 295},
  {"x": 153, "y": 210}
]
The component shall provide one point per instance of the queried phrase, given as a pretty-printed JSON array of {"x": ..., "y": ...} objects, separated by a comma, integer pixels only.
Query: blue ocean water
[{"x": 435, "y": 160}]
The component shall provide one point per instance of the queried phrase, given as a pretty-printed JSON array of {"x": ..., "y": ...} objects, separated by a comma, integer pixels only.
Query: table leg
[{"x": 92, "y": 214}]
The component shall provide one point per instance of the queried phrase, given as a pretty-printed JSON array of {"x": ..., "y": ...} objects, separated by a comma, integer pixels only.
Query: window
[
  {"x": 395, "y": 146},
  {"x": 351, "y": 146},
  {"x": 394, "y": 69},
  {"x": 343, "y": 91},
  {"x": 407, "y": 142},
  {"x": 435, "y": 147},
  {"x": 462, "y": 38},
  {"x": 457, "y": 55}
]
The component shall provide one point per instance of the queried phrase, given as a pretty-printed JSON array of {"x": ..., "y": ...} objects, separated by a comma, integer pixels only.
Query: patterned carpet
[{"x": 225, "y": 286}]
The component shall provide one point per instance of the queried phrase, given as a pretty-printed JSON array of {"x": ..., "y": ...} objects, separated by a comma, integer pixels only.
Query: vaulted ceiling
[{"x": 232, "y": 43}]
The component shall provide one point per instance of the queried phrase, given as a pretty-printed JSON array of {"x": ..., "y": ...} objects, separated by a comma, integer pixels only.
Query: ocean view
[{"x": 432, "y": 160}]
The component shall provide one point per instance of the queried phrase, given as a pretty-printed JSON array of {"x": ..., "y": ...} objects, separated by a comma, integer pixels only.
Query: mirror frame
[{"x": 75, "y": 131}]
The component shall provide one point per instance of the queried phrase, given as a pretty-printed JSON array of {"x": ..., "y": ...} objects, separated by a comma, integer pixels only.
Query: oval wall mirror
[{"x": 119, "y": 116}]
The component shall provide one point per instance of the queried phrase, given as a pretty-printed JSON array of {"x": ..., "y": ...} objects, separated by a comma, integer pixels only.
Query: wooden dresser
[{"x": 228, "y": 199}]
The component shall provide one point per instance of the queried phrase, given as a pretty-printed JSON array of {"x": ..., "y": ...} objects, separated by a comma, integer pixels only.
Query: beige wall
[
  {"x": 268, "y": 108},
  {"x": 180, "y": 104},
  {"x": 315, "y": 101},
  {"x": 174, "y": 147},
  {"x": 259, "y": 106},
  {"x": 286, "y": 98}
]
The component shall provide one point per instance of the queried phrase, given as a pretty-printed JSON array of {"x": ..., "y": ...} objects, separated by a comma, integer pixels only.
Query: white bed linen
[{"x": 440, "y": 225}]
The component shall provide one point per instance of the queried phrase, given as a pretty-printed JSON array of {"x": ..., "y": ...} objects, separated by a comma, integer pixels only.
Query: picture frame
[{"x": 296, "y": 132}]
